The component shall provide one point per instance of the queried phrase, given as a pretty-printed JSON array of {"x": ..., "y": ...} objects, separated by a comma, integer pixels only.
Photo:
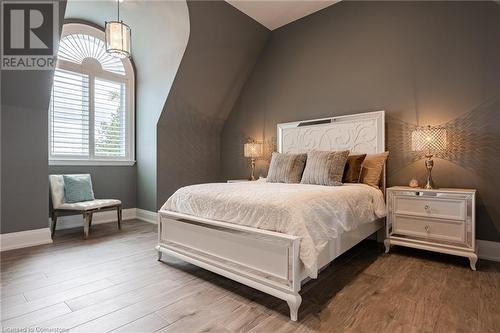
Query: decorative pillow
[
  {"x": 77, "y": 188},
  {"x": 286, "y": 168},
  {"x": 352, "y": 170},
  {"x": 371, "y": 170},
  {"x": 324, "y": 167}
]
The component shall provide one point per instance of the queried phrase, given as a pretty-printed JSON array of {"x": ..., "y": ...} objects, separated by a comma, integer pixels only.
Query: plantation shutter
[
  {"x": 69, "y": 115},
  {"x": 91, "y": 112},
  {"x": 109, "y": 119}
]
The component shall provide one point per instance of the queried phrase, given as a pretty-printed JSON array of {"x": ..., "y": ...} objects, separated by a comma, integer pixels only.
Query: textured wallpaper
[
  {"x": 424, "y": 63},
  {"x": 224, "y": 45},
  {"x": 473, "y": 141}
]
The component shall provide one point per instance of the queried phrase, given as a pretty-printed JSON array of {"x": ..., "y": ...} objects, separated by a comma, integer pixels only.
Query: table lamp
[
  {"x": 252, "y": 150},
  {"x": 429, "y": 139}
]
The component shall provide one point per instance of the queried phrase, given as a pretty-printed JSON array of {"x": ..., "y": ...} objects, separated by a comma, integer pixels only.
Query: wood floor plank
[
  {"x": 243, "y": 319},
  {"x": 276, "y": 324},
  {"x": 207, "y": 320},
  {"x": 149, "y": 323},
  {"x": 113, "y": 282},
  {"x": 36, "y": 317},
  {"x": 60, "y": 287},
  {"x": 55, "y": 298},
  {"x": 87, "y": 256},
  {"x": 89, "y": 274},
  {"x": 489, "y": 300},
  {"x": 13, "y": 300},
  {"x": 97, "y": 310},
  {"x": 133, "y": 312},
  {"x": 190, "y": 306},
  {"x": 104, "y": 270},
  {"x": 158, "y": 275},
  {"x": 20, "y": 280},
  {"x": 58, "y": 269}
]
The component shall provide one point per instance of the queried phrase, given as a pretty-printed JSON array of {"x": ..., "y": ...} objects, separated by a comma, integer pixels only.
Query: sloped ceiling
[
  {"x": 274, "y": 14},
  {"x": 224, "y": 45},
  {"x": 160, "y": 31}
]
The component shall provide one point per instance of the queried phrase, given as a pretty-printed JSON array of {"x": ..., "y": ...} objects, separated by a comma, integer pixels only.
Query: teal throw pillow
[{"x": 77, "y": 188}]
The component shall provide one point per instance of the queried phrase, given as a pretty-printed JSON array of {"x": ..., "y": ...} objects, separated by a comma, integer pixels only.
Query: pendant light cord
[{"x": 118, "y": 1}]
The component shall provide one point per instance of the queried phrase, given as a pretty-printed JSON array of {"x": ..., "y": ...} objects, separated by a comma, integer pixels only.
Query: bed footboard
[{"x": 261, "y": 259}]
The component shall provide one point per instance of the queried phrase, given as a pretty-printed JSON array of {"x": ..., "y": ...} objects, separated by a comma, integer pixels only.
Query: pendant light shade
[{"x": 118, "y": 37}]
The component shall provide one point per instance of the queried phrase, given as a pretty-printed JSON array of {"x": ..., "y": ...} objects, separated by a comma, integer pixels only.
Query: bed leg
[
  {"x": 387, "y": 244},
  {"x": 159, "y": 255},
  {"x": 473, "y": 261},
  {"x": 294, "y": 304}
]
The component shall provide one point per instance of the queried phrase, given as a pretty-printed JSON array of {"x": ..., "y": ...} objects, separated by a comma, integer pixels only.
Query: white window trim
[
  {"x": 128, "y": 79},
  {"x": 90, "y": 162}
]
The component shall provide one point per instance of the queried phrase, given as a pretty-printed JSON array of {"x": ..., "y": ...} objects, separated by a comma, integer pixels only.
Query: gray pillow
[
  {"x": 325, "y": 167},
  {"x": 286, "y": 168}
]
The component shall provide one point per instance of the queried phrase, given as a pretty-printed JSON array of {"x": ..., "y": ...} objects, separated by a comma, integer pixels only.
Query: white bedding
[{"x": 313, "y": 212}]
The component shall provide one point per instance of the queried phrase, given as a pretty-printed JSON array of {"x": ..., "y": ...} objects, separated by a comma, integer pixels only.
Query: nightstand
[{"x": 440, "y": 220}]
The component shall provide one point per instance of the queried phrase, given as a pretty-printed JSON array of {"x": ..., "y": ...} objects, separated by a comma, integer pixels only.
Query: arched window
[{"x": 91, "y": 113}]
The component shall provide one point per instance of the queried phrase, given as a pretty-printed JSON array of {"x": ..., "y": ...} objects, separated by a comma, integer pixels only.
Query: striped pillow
[
  {"x": 325, "y": 167},
  {"x": 286, "y": 168}
]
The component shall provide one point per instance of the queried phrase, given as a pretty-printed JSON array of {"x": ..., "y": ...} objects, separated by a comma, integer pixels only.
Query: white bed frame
[{"x": 266, "y": 260}]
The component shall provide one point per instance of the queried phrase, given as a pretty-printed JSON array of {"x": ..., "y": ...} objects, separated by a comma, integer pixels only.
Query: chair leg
[
  {"x": 119, "y": 213},
  {"x": 54, "y": 221},
  {"x": 86, "y": 225},
  {"x": 90, "y": 222}
]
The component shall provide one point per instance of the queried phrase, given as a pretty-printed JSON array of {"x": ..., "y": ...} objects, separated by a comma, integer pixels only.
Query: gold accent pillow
[
  {"x": 324, "y": 167},
  {"x": 352, "y": 170},
  {"x": 371, "y": 170}
]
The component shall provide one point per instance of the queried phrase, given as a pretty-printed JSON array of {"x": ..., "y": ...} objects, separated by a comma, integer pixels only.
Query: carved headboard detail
[{"x": 359, "y": 133}]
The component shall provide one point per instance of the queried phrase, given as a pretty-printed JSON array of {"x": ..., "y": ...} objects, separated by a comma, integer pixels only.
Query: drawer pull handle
[
  {"x": 427, "y": 228},
  {"x": 427, "y": 207}
]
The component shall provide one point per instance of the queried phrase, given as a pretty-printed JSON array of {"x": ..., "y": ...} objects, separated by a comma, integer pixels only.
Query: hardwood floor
[{"x": 112, "y": 282}]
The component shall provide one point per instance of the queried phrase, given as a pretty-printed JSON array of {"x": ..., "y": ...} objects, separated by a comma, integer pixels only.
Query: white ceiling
[{"x": 276, "y": 13}]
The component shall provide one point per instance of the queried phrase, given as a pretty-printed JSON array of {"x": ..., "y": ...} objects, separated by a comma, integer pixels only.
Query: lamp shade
[
  {"x": 118, "y": 37},
  {"x": 253, "y": 149},
  {"x": 428, "y": 138}
]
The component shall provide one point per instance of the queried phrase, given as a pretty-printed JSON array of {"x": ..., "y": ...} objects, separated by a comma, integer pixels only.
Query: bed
[{"x": 273, "y": 237}]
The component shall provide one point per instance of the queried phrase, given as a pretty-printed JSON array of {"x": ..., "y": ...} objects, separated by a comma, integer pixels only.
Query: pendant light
[{"x": 118, "y": 37}]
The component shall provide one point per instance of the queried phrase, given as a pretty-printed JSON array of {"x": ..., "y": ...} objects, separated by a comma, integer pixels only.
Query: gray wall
[
  {"x": 422, "y": 62},
  {"x": 158, "y": 43},
  {"x": 223, "y": 47},
  {"x": 116, "y": 182},
  {"x": 25, "y": 97}
]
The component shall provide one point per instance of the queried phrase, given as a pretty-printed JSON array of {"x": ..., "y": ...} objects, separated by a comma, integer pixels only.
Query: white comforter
[{"x": 313, "y": 212}]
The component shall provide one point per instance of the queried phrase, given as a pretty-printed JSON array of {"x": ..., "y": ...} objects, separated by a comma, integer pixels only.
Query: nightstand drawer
[
  {"x": 438, "y": 208},
  {"x": 437, "y": 229}
]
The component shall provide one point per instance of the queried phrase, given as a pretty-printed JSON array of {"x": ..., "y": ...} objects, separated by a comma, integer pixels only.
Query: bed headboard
[{"x": 359, "y": 133}]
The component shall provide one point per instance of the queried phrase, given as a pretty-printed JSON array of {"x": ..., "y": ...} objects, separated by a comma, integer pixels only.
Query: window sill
[{"x": 92, "y": 162}]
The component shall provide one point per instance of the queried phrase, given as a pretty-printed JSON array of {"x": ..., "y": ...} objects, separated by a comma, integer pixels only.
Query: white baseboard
[
  {"x": 17, "y": 240},
  {"x": 146, "y": 216},
  {"x": 488, "y": 250},
  {"x": 73, "y": 221}
]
